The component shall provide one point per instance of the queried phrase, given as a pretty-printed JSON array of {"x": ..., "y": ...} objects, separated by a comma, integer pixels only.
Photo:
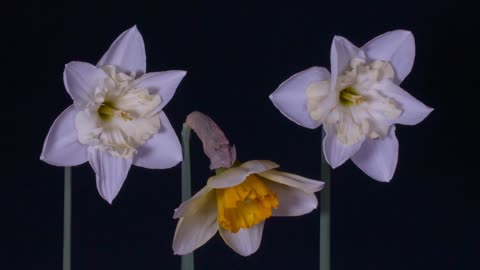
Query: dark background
[{"x": 236, "y": 55}]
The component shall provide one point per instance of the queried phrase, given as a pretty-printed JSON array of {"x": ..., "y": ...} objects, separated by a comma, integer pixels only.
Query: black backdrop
[{"x": 236, "y": 55}]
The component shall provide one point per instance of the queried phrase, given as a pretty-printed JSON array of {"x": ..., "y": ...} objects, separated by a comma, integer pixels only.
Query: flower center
[
  {"x": 362, "y": 83},
  {"x": 107, "y": 111},
  {"x": 121, "y": 117},
  {"x": 349, "y": 96},
  {"x": 245, "y": 205}
]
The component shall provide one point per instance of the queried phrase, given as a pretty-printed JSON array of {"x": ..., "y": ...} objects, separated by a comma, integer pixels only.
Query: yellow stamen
[
  {"x": 349, "y": 96},
  {"x": 245, "y": 205},
  {"x": 108, "y": 110}
]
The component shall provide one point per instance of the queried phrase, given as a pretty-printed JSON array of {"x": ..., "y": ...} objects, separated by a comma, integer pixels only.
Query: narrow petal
[
  {"x": 397, "y": 47},
  {"x": 234, "y": 176},
  {"x": 127, "y": 53},
  {"x": 81, "y": 79},
  {"x": 292, "y": 201},
  {"x": 191, "y": 206},
  {"x": 110, "y": 171},
  {"x": 194, "y": 231},
  {"x": 293, "y": 180},
  {"x": 163, "y": 83},
  {"x": 61, "y": 147},
  {"x": 413, "y": 110},
  {"x": 162, "y": 150},
  {"x": 336, "y": 153},
  {"x": 291, "y": 98},
  {"x": 245, "y": 241},
  {"x": 341, "y": 52},
  {"x": 378, "y": 157}
]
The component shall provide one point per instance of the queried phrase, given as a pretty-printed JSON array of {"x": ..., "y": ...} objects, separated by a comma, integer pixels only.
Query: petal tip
[
  {"x": 134, "y": 29},
  {"x": 384, "y": 178},
  {"x": 337, "y": 37},
  {"x": 108, "y": 199},
  {"x": 183, "y": 72},
  {"x": 403, "y": 31}
]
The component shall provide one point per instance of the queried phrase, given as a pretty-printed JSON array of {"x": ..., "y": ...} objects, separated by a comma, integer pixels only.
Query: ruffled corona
[
  {"x": 121, "y": 118},
  {"x": 245, "y": 205},
  {"x": 357, "y": 106}
]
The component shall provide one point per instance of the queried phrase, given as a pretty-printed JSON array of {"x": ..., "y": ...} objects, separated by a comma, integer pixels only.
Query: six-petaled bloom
[
  {"x": 237, "y": 201},
  {"x": 359, "y": 103},
  {"x": 117, "y": 116}
]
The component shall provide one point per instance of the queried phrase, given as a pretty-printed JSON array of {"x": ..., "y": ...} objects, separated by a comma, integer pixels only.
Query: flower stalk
[
  {"x": 67, "y": 219},
  {"x": 325, "y": 214},
  {"x": 187, "y": 261}
]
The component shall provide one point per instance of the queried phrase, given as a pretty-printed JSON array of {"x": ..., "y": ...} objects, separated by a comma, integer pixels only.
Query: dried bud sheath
[{"x": 215, "y": 144}]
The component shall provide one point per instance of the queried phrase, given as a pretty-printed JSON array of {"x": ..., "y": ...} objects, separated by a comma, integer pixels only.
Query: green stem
[
  {"x": 67, "y": 219},
  {"x": 187, "y": 262},
  {"x": 325, "y": 213}
]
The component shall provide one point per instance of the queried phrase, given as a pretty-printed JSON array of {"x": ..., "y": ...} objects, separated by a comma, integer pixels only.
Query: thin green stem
[
  {"x": 187, "y": 262},
  {"x": 325, "y": 213},
  {"x": 67, "y": 219}
]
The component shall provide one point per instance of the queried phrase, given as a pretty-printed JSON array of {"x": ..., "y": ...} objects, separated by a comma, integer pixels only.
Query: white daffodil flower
[
  {"x": 358, "y": 103},
  {"x": 116, "y": 118},
  {"x": 237, "y": 202}
]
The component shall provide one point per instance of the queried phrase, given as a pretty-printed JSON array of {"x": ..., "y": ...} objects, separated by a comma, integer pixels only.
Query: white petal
[
  {"x": 245, "y": 241},
  {"x": 81, "y": 79},
  {"x": 397, "y": 47},
  {"x": 378, "y": 157},
  {"x": 194, "y": 231},
  {"x": 110, "y": 171},
  {"x": 336, "y": 153},
  {"x": 127, "y": 53},
  {"x": 292, "y": 201},
  {"x": 293, "y": 180},
  {"x": 341, "y": 52},
  {"x": 413, "y": 110},
  {"x": 234, "y": 176},
  {"x": 162, "y": 150},
  {"x": 291, "y": 97},
  {"x": 191, "y": 206},
  {"x": 163, "y": 83},
  {"x": 61, "y": 147}
]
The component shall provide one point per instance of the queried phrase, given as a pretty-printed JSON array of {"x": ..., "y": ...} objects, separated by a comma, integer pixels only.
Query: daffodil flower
[
  {"x": 237, "y": 201},
  {"x": 359, "y": 103},
  {"x": 116, "y": 119}
]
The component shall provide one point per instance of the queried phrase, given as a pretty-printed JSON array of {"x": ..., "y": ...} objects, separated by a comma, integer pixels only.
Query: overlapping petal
[
  {"x": 292, "y": 180},
  {"x": 236, "y": 175},
  {"x": 127, "y": 53},
  {"x": 61, "y": 147},
  {"x": 191, "y": 206},
  {"x": 341, "y": 52},
  {"x": 413, "y": 110},
  {"x": 245, "y": 241},
  {"x": 378, "y": 157},
  {"x": 163, "y": 83},
  {"x": 293, "y": 202},
  {"x": 162, "y": 150},
  {"x": 81, "y": 80},
  {"x": 290, "y": 97},
  {"x": 336, "y": 152},
  {"x": 396, "y": 47},
  {"x": 195, "y": 230},
  {"x": 110, "y": 172}
]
